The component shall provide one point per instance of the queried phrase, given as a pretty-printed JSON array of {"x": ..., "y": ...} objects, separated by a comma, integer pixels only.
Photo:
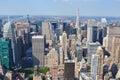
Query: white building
[
  {"x": 38, "y": 46},
  {"x": 92, "y": 47},
  {"x": 94, "y": 66},
  {"x": 64, "y": 45},
  {"x": 52, "y": 58},
  {"x": 47, "y": 30}
]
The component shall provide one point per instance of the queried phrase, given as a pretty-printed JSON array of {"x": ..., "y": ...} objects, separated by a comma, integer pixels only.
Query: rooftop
[{"x": 38, "y": 36}]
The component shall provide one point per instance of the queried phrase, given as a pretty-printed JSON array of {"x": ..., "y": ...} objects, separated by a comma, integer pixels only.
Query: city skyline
[{"x": 60, "y": 7}]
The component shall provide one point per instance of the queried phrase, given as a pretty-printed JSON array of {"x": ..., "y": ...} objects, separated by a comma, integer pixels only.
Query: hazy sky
[{"x": 60, "y": 7}]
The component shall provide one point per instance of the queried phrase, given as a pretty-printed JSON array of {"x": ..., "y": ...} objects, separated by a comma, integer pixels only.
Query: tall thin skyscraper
[
  {"x": 97, "y": 64},
  {"x": 64, "y": 45},
  {"x": 61, "y": 56},
  {"x": 77, "y": 26},
  {"x": 38, "y": 46},
  {"x": 94, "y": 66},
  {"x": 99, "y": 52},
  {"x": 47, "y": 30},
  {"x": 8, "y": 32},
  {"x": 89, "y": 33}
]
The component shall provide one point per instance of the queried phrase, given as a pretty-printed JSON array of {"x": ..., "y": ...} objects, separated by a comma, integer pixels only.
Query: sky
[{"x": 60, "y": 7}]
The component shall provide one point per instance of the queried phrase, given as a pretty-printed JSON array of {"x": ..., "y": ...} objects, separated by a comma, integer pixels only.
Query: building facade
[
  {"x": 9, "y": 32},
  {"x": 6, "y": 53},
  {"x": 38, "y": 47}
]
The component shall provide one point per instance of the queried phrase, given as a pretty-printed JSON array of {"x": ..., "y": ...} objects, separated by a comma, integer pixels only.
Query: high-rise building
[
  {"x": 52, "y": 58},
  {"x": 94, "y": 33},
  {"x": 77, "y": 23},
  {"x": 9, "y": 32},
  {"x": 89, "y": 34},
  {"x": 64, "y": 45},
  {"x": 79, "y": 52},
  {"x": 91, "y": 31},
  {"x": 20, "y": 48},
  {"x": 38, "y": 47},
  {"x": 94, "y": 66},
  {"x": 69, "y": 70},
  {"x": 5, "y": 53},
  {"x": 112, "y": 31},
  {"x": 115, "y": 48},
  {"x": 100, "y": 54},
  {"x": 0, "y": 28},
  {"x": 47, "y": 30},
  {"x": 92, "y": 47},
  {"x": 84, "y": 31},
  {"x": 99, "y": 36},
  {"x": 104, "y": 32},
  {"x": 61, "y": 56},
  {"x": 54, "y": 40}
]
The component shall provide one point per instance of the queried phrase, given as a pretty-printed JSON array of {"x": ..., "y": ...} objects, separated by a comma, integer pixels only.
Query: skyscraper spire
[
  {"x": 77, "y": 23},
  {"x": 77, "y": 18}
]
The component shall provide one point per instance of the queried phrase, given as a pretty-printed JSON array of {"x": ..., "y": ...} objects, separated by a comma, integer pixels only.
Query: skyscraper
[
  {"x": 61, "y": 56},
  {"x": 92, "y": 47},
  {"x": 20, "y": 49},
  {"x": 99, "y": 52},
  {"x": 38, "y": 47},
  {"x": 112, "y": 31},
  {"x": 94, "y": 33},
  {"x": 52, "y": 58},
  {"x": 9, "y": 32},
  {"x": 64, "y": 45},
  {"x": 77, "y": 26},
  {"x": 115, "y": 48},
  {"x": 47, "y": 30},
  {"x": 89, "y": 34},
  {"x": 69, "y": 70},
  {"x": 5, "y": 53},
  {"x": 94, "y": 66}
]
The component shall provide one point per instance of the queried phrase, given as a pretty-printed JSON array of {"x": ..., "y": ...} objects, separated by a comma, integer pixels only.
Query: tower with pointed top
[{"x": 77, "y": 22}]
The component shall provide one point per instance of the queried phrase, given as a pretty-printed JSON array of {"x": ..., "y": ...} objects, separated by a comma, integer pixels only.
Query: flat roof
[{"x": 38, "y": 36}]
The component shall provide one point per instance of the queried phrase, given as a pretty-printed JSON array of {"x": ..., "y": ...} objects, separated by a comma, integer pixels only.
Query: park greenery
[{"x": 30, "y": 71}]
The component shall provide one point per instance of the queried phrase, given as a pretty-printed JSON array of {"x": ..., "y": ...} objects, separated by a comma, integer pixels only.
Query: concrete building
[
  {"x": 91, "y": 30},
  {"x": 89, "y": 33},
  {"x": 94, "y": 66},
  {"x": 54, "y": 72},
  {"x": 38, "y": 47},
  {"x": 64, "y": 45},
  {"x": 115, "y": 48},
  {"x": 21, "y": 52},
  {"x": 69, "y": 70},
  {"x": 118, "y": 75},
  {"x": 9, "y": 75},
  {"x": 111, "y": 33},
  {"x": 99, "y": 52},
  {"x": 47, "y": 30},
  {"x": 52, "y": 58},
  {"x": 61, "y": 56},
  {"x": 21, "y": 26},
  {"x": 92, "y": 47},
  {"x": 77, "y": 26}
]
